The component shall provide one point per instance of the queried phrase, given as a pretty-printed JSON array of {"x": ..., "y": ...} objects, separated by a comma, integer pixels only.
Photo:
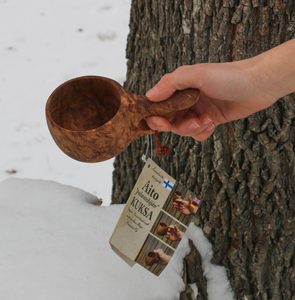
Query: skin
[
  {"x": 174, "y": 234},
  {"x": 228, "y": 91},
  {"x": 184, "y": 206},
  {"x": 164, "y": 258}
]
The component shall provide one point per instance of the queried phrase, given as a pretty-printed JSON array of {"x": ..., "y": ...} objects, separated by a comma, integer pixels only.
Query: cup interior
[{"x": 84, "y": 103}]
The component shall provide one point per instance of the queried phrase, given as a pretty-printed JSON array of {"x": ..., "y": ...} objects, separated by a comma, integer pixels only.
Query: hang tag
[{"x": 155, "y": 217}]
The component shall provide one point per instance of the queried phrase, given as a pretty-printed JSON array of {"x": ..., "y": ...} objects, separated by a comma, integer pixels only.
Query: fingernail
[
  {"x": 152, "y": 92},
  {"x": 159, "y": 127},
  {"x": 193, "y": 125},
  {"x": 207, "y": 121}
]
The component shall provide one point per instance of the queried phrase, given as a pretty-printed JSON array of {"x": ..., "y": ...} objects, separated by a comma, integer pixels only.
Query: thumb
[
  {"x": 163, "y": 89},
  {"x": 182, "y": 78}
]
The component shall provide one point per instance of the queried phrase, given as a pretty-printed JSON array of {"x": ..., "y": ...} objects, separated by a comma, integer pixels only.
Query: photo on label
[
  {"x": 182, "y": 204},
  {"x": 154, "y": 255},
  {"x": 168, "y": 229}
]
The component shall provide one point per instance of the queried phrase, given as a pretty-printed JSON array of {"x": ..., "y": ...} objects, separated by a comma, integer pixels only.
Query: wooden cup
[
  {"x": 92, "y": 118},
  {"x": 162, "y": 229}
]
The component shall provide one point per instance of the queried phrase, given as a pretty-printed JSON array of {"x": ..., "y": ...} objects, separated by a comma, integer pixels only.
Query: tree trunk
[{"x": 245, "y": 172}]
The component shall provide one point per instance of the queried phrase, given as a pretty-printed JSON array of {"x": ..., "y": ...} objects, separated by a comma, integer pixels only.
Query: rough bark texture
[
  {"x": 193, "y": 273},
  {"x": 245, "y": 172}
]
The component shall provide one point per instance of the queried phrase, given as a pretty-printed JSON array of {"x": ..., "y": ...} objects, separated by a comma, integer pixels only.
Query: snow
[
  {"x": 44, "y": 43},
  {"x": 54, "y": 245},
  {"x": 217, "y": 283}
]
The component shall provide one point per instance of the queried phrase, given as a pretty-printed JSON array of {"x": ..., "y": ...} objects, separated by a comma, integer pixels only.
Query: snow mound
[{"x": 54, "y": 245}]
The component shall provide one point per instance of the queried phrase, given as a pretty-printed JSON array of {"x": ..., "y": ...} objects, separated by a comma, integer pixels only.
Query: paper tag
[{"x": 156, "y": 215}]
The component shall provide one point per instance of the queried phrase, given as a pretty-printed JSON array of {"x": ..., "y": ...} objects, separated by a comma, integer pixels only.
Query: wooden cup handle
[{"x": 180, "y": 100}]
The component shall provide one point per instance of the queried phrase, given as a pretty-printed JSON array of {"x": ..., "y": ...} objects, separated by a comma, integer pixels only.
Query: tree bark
[
  {"x": 193, "y": 273},
  {"x": 245, "y": 172}
]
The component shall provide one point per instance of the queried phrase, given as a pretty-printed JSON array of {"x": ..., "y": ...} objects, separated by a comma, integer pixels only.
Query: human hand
[
  {"x": 228, "y": 91},
  {"x": 174, "y": 234},
  {"x": 178, "y": 203},
  {"x": 164, "y": 258},
  {"x": 184, "y": 206}
]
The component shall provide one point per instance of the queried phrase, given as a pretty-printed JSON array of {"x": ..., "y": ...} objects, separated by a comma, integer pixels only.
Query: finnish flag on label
[{"x": 167, "y": 184}]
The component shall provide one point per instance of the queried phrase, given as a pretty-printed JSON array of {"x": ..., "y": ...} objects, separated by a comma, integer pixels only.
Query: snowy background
[
  {"x": 44, "y": 43},
  {"x": 53, "y": 239}
]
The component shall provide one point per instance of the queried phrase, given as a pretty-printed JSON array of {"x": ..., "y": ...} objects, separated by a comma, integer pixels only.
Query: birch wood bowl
[
  {"x": 162, "y": 229},
  {"x": 92, "y": 118}
]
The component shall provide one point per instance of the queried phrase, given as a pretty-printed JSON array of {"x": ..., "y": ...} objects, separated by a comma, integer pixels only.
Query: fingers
[
  {"x": 204, "y": 134},
  {"x": 198, "y": 127},
  {"x": 163, "y": 89},
  {"x": 182, "y": 78},
  {"x": 191, "y": 124},
  {"x": 159, "y": 123},
  {"x": 175, "y": 205},
  {"x": 178, "y": 206},
  {"x": 159, "y": 252}
]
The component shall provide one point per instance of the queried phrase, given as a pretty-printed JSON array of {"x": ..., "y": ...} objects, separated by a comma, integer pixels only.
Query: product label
[{"x": 154, "y": 219}]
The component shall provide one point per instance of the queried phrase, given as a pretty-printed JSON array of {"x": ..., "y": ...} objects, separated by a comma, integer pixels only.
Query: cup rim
[{"x": 116, "y": 85}]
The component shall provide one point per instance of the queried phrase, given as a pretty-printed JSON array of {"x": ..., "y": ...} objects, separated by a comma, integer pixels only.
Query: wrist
[
  {"x": 262, "y": 80},
  {"x": 274, "y": 71}
]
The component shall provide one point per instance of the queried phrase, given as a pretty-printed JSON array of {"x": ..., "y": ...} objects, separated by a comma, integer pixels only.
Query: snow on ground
[
  {"x": 54, "y": 245},
  {"x": 218, "y": 286},
  {"x": 44, "y": 43}
]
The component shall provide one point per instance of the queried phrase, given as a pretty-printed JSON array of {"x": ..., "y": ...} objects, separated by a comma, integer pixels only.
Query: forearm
[{"x": 275, "y": 70}]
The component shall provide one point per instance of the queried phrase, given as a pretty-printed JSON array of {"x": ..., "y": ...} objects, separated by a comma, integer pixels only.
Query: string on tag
[
  {"x": 149, "y": 148},
  {"x": 161, "y": 150},
  {"x": 151, "y": 143}
]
